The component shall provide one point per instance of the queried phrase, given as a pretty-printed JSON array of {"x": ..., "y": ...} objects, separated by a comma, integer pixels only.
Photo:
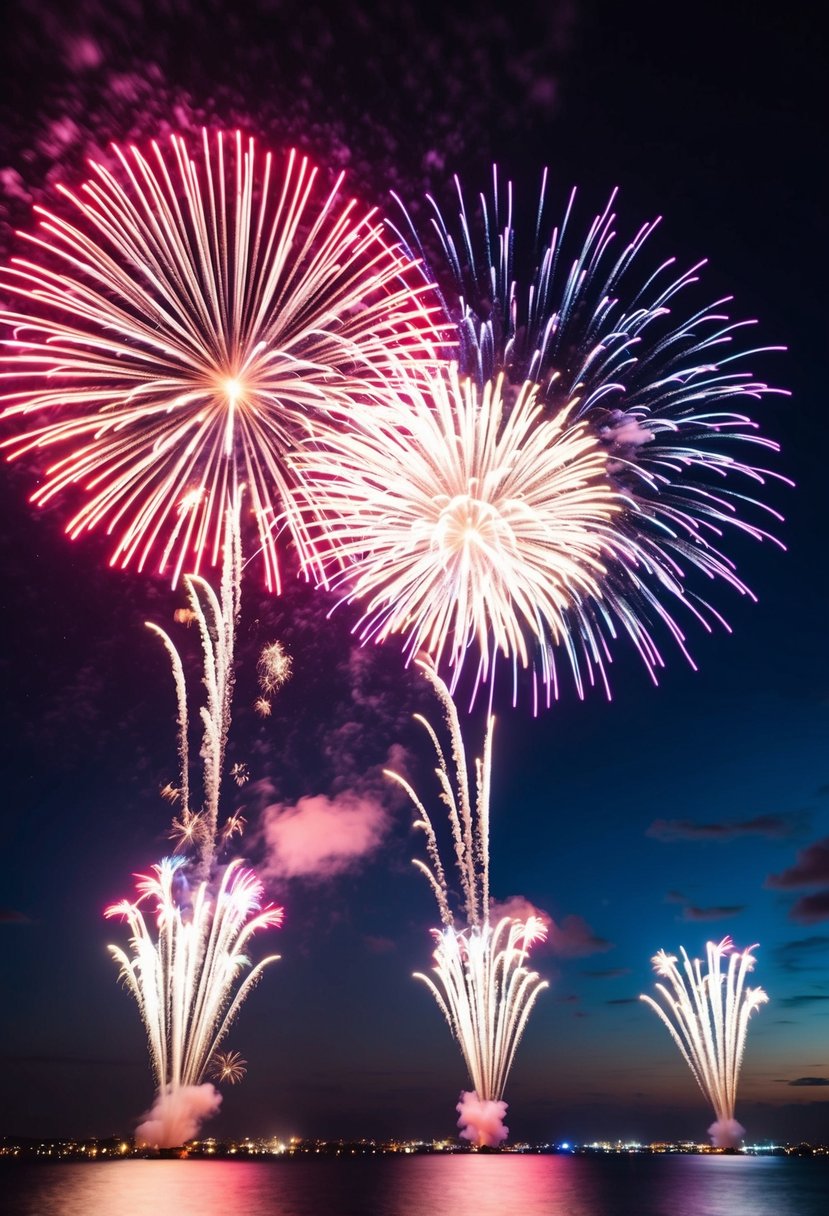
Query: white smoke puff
[
  {"x": 726, "y": 1133},
  {"x": 176, "y": 1115},
  {"x": 482, "y": 1120}
]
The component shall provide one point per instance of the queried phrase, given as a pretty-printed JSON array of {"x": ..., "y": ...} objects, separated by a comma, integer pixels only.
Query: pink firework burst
[{"x": 181, "y": 322}]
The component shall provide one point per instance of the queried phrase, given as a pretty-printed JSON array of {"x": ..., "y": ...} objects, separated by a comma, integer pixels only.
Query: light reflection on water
[{"x": 423, "y": 1186}]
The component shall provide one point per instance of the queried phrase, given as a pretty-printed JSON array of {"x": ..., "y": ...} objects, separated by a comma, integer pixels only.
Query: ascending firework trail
[{"x": 481, "y": 982}]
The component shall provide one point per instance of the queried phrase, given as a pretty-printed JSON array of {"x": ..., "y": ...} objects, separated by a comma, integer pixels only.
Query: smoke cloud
[
  {"x": 726, "y": 1133},
  {"x": 176, "y": 1115},
  {"x": 320, "y": 837},
  {"x": 482, "y": 1121},
  {"x": 517, "y": 907},
  {"x": 573, "y": 938}
]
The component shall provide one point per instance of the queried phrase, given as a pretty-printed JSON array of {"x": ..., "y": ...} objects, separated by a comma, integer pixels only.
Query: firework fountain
[
  {"x": 707, "y": 1017},
  {"x": 480, "y": 979},
  {"x": 185, "y": 970}
]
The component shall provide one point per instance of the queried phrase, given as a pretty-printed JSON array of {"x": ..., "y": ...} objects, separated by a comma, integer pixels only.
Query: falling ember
[
  {"x": 480, "y": 980},
  {"x": 273, "y": 668},
  {"x": 707, "y": 1017},
  {"x": 181, "y": 323}
]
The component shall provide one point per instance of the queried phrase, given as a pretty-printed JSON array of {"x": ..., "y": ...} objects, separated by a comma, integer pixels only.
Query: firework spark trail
[
  {"x": 216, "y": 618},
  {"x": 661, "y": 396},
  {"x": 176, "y": 336},
  {"x": 185, "y": 959},
  {"x": 707, "y": 1017},
  {"x": 482, "y": 984}
]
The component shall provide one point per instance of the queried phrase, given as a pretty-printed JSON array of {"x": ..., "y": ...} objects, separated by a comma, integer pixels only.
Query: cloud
[
  {"x": 798, "y": 955},
  {"x": 805, "y": 998},
  {"x": 810, "y": 869},
  {"x": 773, "y": 827},
  {"x": 573, "y": 938},
  {"x": 691, "y": 913},
  {"x": 624, "y": 1000},
  {"x": 321, "y": 837},
  {"x": 810, "y": 908},
  {"x": 607, "y": 973},
  {"x": 11, "y": 916},
  {"x": 810, "y": 1081}
]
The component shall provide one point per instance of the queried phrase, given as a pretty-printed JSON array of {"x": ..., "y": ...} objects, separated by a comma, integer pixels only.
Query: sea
[{"x": 464, "y": 1185}]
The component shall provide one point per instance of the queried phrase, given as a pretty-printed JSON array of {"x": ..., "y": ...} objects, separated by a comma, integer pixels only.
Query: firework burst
[
  {"x": 480, "y": 980},
  {"x": 178, "y": 327},
  {"x": 228, "y": 1066},
  {"x": 463, "y": 522},
  {"x": 707, "y": 1017},
  {"x": 592, "y": 347}
]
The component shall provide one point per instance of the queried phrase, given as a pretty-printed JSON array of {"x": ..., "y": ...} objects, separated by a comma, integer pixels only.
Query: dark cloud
[
  {"x": 10, "y": 916},
  {"x": 624, "y": 1000},
  {"x": 811, "y": 908},
  {"x": 692, "y": 913},
  {"x": 608, "y": 973},
  {"x": 801, "y": 1000},
  {"x": 800, "y": 955},
  {"x": 773, "y": 827},
  {"x": 809, "y": 1081},
  {"x": 811, "y": 868}
]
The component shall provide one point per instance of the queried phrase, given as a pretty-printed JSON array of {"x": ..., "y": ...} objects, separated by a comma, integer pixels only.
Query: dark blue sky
[{"x": 715, "y": 126}]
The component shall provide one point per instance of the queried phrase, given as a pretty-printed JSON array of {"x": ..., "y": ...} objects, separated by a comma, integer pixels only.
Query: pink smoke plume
[
  {"x": 482, "y": 1120},
  {"x": 572, "y": 937},
  {"x": 177, "y": 1115},
  {"x": 321, "y": 836},
  {"x": 518, "y": 907},
  {"x": 726, "y": 1133}
]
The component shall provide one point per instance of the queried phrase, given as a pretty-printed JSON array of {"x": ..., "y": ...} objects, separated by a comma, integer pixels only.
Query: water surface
[{"x": 422, "y": 1186}]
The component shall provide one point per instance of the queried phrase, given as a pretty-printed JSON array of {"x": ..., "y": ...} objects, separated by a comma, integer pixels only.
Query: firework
[
  {"x": 180, "y": 324},
  {"x": 183, "y": 969},
  {"x": 707, "y": 1017},
  {"x": 185, "y": 964},
  {"x": 216, "y": 618},
  {"x": 480, "y": 980},
  {"x": 228, "y": 1066},
  {"x": 457, "y": 485},
  {"x": 462, "y": 522}
]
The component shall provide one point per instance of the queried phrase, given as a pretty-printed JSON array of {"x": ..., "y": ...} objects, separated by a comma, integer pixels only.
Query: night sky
[{"x": 668, "y": 816}]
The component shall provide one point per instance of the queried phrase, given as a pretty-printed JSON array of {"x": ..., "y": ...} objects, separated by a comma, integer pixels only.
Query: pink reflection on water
[{"x": 483, "y": 1184}]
